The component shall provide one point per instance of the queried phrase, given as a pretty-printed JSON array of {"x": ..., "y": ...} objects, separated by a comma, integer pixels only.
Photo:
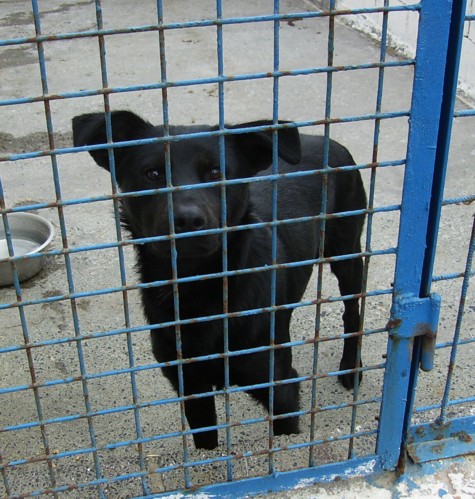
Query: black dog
[{"x": 195, "y": 161}]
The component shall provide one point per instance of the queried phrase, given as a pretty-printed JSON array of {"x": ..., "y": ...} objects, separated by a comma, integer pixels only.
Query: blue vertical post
[
  {"x": 29, "y": 355},
  {"x": 445, "y": 131},
  {"x": 369, "y": 217},
  {"x": 224, "y": 236},
  {"x": 425, "y": 115},
  {"x": 120, "y": 248},
  {"x": 275, "y": 170},
  {"x": 454, "y": 52},
  {"x": 442, "y": 419},
  {"x": 443, "y": 146},
  {"x": 64, "y": 237},
  {"x": 322, "y": 224},
  {"x": 174, "y": 254}
]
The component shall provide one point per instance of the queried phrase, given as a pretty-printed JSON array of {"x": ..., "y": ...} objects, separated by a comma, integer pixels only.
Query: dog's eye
[
  {"x": 214, "y": 175},
  {"x": 154, "y": 175}
]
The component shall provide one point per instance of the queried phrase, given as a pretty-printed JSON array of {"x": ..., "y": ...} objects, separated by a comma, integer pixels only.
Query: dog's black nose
[{"x": 188, "y": 218}]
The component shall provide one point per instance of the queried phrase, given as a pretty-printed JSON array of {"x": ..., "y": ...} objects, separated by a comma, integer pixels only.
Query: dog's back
[{"x": 301, "y": 196}]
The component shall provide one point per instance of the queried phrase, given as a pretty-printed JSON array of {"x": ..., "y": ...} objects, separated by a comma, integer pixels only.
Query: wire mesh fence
[{"x": 85, "y": 407}]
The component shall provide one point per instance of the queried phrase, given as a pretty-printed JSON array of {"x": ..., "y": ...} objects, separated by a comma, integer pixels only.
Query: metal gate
[
  {"x": 447, "y": 429},
  {"x": 83, "y": 409}
]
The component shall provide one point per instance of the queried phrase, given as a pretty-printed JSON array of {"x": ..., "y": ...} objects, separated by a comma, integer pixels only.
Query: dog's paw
[
  {"x": 287, "y": 426},
  {"x": 348, "y": 380},
  {"x": 206, "y": 440}
]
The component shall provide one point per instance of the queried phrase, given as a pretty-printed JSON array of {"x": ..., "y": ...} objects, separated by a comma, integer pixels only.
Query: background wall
[{"x": 403, "y": 33}]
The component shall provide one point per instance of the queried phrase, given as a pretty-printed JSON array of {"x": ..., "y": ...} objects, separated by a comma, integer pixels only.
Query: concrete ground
[{"x": 133, "y": 59}]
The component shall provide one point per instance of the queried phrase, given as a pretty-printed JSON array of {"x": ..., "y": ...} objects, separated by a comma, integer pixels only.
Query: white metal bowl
[{"x": 31, "y": 234}]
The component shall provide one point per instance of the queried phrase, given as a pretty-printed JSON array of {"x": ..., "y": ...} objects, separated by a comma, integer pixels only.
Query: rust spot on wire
[
  {"x": 36, "y": 385},
  {"x": 393, "y": 324}
]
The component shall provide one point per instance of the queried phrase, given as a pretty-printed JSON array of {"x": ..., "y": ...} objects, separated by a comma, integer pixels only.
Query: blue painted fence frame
[
  {"x": 430, "y": 121},
  {"x": 443, "y": 437}
]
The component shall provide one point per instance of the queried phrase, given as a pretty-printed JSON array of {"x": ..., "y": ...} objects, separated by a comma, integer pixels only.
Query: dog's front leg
[{"x": 200, "y": 412}]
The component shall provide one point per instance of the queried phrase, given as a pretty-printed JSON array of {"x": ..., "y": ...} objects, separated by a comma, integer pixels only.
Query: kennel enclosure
[{"x": 76, "y": 420}]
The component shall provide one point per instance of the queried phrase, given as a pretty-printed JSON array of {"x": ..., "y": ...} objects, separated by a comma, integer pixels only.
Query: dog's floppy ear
[
  {"x": 90, "y": 129},
  {"x": 257, "y": 146}
]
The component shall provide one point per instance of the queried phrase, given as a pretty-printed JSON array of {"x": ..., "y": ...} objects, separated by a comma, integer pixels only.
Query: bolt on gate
[{"x": 84, "y": 408}]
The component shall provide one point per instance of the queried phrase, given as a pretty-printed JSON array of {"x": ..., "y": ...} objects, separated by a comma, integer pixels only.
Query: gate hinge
[{"x": 412, "y": 316}]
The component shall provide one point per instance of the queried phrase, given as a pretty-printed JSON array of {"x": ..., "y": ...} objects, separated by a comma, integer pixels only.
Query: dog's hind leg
[
  {"x": 351, "y": 316},
  {"x": 350, "y": 276}
]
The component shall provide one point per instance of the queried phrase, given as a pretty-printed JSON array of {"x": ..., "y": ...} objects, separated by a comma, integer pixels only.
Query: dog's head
[{"x": 193, "y": 161}]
